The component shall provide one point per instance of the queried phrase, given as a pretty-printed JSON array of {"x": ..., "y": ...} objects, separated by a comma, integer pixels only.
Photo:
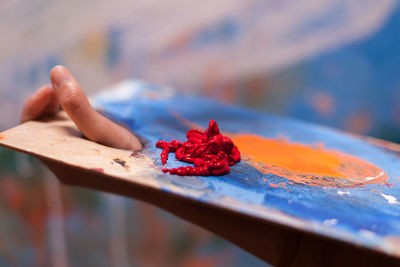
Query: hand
[{"x": 66, "y": 92}]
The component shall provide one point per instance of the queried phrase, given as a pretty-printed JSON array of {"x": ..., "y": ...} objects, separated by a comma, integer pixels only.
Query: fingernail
[{"x": 59, "y": 76}]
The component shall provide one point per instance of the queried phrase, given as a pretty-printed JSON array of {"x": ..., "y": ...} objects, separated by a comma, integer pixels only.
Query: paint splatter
[
  {"x": 97, "y": 169},
  {"x": 122, "y": 163},
  {"x": 272, "y": 185},
  {"x": 282, "y": 185},
  {"x": 390, "y": 199},
  {"x": 367, "y": 234},
  {"x": 136, "y": 154},
  {"x": 305, "y": 164},
  {"x": 330, "y": 222}
]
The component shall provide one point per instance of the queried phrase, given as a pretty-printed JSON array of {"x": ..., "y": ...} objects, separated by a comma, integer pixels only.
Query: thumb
[{"x": 91, "y": 123}]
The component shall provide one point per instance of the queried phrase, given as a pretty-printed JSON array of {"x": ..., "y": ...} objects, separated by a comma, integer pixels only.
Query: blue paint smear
[
  {"x": 114, "y": 44},
  {"x": 224, "y": 31},
  {"x": 364, "y": 208}
]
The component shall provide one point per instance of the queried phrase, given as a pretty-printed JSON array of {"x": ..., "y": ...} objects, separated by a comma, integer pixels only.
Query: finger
[
  {"x": 35, "y": 105},
  {"x": 92, "y": 124},
  {"x": 53, "y": 106}
]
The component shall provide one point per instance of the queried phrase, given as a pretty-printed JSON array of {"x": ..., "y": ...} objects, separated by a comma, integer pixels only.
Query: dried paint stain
[
  {"x": 282, "y": 185},
  {"x": 305, "y": 164},
  {"x": 136, "y": 154},
  {"x": 97, "y": 169},
  {"x": 121, "y": 162}
]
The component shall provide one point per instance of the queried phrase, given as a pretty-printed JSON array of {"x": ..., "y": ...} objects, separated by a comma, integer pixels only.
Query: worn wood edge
[
  {"x": 59, "y": 139},
  {"x": 229, "y": 224}
]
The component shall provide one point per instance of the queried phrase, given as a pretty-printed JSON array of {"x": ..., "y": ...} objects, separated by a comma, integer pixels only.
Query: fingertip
[
  {"x": 46, "y": 89},
  {"x": 35, "y": 104},
  {"x": 42, "y": 95},
  {"x": 57, "y": 68},
  {"x": 60, "y": 76},
  {"x": 69, "y": 93},
  {"x": 93, "y": 125}
]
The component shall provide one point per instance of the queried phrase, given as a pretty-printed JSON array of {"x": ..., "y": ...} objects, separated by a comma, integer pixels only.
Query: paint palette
[{"x": 298, "y": 175}]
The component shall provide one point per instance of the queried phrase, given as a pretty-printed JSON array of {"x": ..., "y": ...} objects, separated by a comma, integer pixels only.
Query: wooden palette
[{"x": 299, "y": 187}]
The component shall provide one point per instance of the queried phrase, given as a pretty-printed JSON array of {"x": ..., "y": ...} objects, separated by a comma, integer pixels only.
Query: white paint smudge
[
  {"x": 343, "y": 192},
  {"x": 366, "y": 233},
  {"x": 373, "y": 178},
  {"x": 391, "y": 199},
  {"x": 330, "y": 222}
]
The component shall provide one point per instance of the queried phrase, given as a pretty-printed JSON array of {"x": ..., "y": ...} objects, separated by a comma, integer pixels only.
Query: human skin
[{"x": 65, "y": 92}]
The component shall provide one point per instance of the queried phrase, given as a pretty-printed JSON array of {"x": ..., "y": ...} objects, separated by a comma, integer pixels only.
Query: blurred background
[{"x": 333, "y": 62}]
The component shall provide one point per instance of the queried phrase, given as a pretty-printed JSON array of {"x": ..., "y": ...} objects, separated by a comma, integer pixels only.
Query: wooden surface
[
  {"x": 264, "y": 205},
  {"x": 59, "y": 144}
]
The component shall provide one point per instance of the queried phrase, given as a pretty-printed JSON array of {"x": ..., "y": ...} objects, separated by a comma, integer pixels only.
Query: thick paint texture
[
  {"x": 211, "y": 153},
  {"x": 315, "y": 179},
  {"x": 307, "y": 164}
]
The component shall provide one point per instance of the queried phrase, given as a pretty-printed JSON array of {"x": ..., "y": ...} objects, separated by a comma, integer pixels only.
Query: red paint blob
[
  {"x": 209, "y": 151},
  {"x": 97, "y": 169}
]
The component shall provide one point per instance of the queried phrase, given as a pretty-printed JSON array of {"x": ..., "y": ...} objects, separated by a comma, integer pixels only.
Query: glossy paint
[{"x": 365, "y": 213}]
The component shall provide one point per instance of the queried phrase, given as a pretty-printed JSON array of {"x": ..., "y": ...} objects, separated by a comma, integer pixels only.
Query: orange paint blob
[
  {"x": 306, "y": 164},
  {"x": 283, "y": 185}
]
